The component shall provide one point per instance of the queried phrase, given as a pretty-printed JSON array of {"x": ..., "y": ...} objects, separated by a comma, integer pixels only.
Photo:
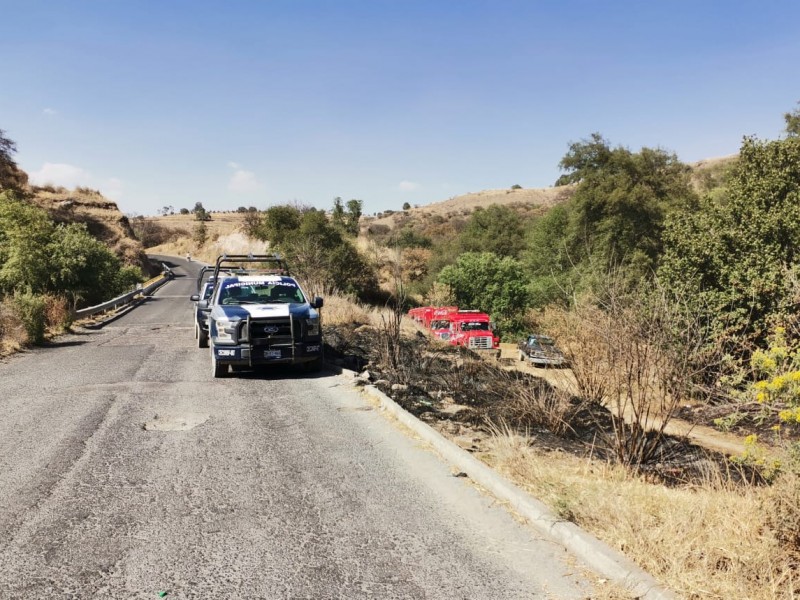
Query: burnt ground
[{"x": 468, "y": 397}]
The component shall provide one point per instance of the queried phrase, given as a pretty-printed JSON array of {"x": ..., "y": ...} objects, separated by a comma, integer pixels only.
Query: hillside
[
  {"x": 102, "y": 218},
  {"x": 523, "y": 200}
]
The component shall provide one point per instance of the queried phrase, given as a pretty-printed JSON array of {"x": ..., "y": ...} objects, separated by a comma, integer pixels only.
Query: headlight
[
  {"x": 225, "y": 330},
  {"x": 312, "y": 327}
]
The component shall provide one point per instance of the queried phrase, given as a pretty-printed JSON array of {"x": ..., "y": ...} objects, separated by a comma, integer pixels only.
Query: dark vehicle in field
[
  {"x": 541, "y": 350},
  {"x": 261, "y": 318}
]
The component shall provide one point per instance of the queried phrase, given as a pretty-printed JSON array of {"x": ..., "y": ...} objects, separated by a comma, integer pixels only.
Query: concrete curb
[{"x": 596, "y": 554}]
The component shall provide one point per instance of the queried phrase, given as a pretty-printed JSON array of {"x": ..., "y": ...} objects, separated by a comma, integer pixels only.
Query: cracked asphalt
[{"x": 127, "y": 471}]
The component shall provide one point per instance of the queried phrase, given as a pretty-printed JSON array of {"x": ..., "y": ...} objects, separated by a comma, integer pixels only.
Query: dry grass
[
  {"x": 709, "y": 542},
  {"x": 57, "y": 314},
  {"x": 233, "y": 242},
  {"x": 344, "y": 310},
  {"x": 13, "y": 336}
]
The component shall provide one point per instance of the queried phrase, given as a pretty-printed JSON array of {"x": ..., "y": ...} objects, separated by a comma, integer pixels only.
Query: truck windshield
[
  {"x": 440, "y": 324},
  {"x": 261, "y": 292},
  {"x": 475, "y": 326}
]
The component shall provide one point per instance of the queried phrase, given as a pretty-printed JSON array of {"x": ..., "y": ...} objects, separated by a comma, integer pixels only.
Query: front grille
[
  {"x": 484, "y": 342},
  {"x": 277, "y": 330}
]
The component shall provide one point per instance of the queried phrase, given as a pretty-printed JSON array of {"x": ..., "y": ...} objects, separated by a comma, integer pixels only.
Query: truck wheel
[
  {"x": 202, "y": 339},
  {"x": 217, "y": 368}
]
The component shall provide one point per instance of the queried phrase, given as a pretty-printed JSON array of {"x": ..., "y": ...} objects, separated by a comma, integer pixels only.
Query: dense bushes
[
  {"x": 490, "y": 283},
  {"x": 44, "y": 267},
  {"x": 737, "y": 254},
  {"x": 318, "y": 251}
]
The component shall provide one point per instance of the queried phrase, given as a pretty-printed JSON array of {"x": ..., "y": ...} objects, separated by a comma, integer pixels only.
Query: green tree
[
  {"x": 11, "y": 177},
  {"x": 353, "y": 216},
  {"x": 278, "y": 223},
  {"x": 200, "y": 213},
  {"x": 497, "y": 229},
  {"x": 792, "y": 122},
  {"x": 25, "y": 234},
  {"x": 490, "y": 283},
  {"x": 622, "y": 198},
  {"x": 584, "y": 158},
  {"x": 317, "y": 250},
  {"x": 337, "y": 213},
  {"x": 82, "y": 265},
  {"x": 406, "y": 206},
  {"x": 547, "y": 258},
  {"x": 737, "y": 256}
]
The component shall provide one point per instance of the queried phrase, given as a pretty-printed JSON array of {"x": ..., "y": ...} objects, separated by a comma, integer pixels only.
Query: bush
[
  {"x": 781, "y": 503},
  {"x": 12, "y": 333},
  {"x": 31, "y": 311},
  {"x": 57, "y": 314},
  {"x": 635, "y": 353}
]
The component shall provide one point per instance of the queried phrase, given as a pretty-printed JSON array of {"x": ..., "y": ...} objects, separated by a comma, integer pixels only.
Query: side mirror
[
  {"x": 317, "y": 302},
  {"x": 194, "y": 298}
]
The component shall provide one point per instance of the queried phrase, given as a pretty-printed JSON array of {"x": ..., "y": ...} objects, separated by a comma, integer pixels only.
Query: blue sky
[{"x": 256, "y": 103}]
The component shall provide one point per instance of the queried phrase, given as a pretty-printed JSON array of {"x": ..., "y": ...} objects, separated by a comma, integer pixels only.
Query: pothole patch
[{"x": 181, "y": 422}]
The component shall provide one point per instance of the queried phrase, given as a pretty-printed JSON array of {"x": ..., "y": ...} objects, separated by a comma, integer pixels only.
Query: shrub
[
  {"x": 12, "y": 332},
  {"x": 57, "y": 314},
  {"x": 634, "y": 352},
  {"x": 781, "y": 504},
  {"x": 778, "y": 387},
  {"x": 30, "y": 309}
]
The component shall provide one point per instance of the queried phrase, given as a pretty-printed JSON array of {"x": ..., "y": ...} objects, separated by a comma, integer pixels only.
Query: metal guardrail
[{"x": 144, "y": 289}]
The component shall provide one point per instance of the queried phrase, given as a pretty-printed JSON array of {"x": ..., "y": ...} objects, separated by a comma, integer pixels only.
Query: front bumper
[
  {"x": 548, "y": 361},
  {"x": 302, "y": 352}
]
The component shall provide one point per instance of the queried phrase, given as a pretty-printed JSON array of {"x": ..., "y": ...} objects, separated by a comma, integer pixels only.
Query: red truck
[
  {"x": 425, "y": 315},
  {"x": 472, "y": 329}
]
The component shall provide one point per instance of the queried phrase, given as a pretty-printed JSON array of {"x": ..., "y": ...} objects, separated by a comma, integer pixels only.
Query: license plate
[{"x": 272, "y": 353}]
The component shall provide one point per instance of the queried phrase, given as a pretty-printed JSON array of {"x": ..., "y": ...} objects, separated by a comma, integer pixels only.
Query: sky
[{"x": 262, "y": 102}]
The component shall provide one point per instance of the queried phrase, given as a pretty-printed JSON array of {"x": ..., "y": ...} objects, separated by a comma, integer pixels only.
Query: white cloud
[
  {"x": 243, "y": 182},
  {"x": 60, "y": 174},
  {"x": 408, "y": 186},
  {"x": 112, "y": 188},
  {"x": 70, "y": 177},
  {"x": 49, "y": 112},
  {"x": 234, "y": 165}
]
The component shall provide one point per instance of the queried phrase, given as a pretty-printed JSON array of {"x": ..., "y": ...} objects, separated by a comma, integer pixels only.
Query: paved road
[{"x": 127, "y": 471}]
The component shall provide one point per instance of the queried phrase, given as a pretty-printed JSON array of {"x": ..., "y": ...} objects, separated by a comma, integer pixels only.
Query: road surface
[{"x": 127, "y": 471}]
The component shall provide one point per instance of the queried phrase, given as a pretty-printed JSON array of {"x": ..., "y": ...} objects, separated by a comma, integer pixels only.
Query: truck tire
[
  {"x": 218, "y": 369},
  {"x": 202, "y": 339}
]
